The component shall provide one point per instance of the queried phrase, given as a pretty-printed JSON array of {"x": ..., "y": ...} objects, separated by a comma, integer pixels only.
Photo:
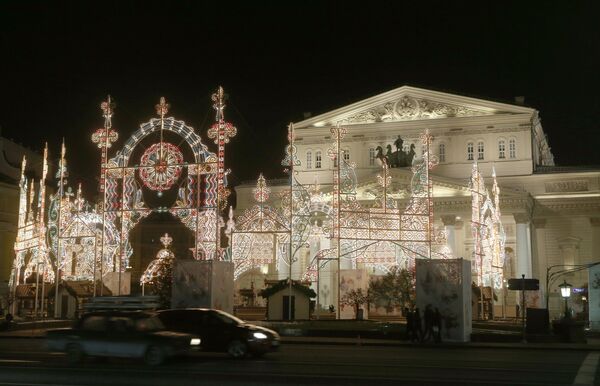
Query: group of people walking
[{"x": 432, "y": 330}]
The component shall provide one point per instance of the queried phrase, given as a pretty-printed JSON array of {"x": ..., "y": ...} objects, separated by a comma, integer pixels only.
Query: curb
[{"x": 490, "y": 345}]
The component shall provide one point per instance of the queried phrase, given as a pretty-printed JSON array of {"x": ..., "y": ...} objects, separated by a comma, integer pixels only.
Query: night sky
[{"x": 278, "y": 60}]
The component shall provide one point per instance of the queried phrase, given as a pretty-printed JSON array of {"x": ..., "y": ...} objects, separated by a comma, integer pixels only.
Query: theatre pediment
[{"x": 410, "y": 103}]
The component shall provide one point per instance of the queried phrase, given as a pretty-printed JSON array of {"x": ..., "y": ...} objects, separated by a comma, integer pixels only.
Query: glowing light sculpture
[
  {"x": 257, "y": 233},
  {"x": 488, "y": 233},
  {"x": 157, "y": 266}
]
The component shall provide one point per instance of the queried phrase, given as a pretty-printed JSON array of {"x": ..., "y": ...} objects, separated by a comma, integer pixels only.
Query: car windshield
[
  {"x": 149, "y": 324},
  {"x": 227, "y": 318}
]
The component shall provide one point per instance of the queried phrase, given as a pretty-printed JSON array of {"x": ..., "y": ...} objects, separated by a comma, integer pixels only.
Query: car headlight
[
  {"x": 259, "y": 335},
  {"x": 195, "y": 342}
]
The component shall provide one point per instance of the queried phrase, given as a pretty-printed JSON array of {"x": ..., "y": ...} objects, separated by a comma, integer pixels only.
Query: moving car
[
  {"x": 124, "y": 334},
  {"x": 221, "y": 332}
]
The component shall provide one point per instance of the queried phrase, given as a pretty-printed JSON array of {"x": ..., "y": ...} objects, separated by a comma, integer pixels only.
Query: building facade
[{"x": 550, "y": 214}]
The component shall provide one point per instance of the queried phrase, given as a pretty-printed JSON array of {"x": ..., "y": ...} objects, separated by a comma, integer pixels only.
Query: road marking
[
  {"x": 587, "y": 371},
  {"x": 17, "y": 361}
]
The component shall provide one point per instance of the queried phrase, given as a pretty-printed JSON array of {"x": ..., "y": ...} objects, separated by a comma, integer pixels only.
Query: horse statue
[{"x": 398, "y": 158}]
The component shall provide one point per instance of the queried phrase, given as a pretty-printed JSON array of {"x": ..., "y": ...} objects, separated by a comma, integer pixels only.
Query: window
[
  {"x": 309, "y": 159},
  {"x": 442, "y": 152},
  {"x": 470, "y": 151},
  {"x": 372, "y": 156},
  {"x": 480, "y": 150},
  {"x": 512, "y": 148},
  {"x": 501, "y": 149},
  {"x": 347, "y": 155},
  {"x": 318, "y": 159}
]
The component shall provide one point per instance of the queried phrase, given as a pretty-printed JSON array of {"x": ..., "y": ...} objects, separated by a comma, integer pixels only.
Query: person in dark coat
[
  {"x": 437, "y": 325},
  {"x": 409, "y": 323},
  {"x": 417, "y": 332},
  {"x": 428, "y": 334}
]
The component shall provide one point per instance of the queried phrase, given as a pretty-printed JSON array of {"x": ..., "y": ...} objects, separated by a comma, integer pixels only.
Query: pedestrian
[
  {"x": 417, "y": 332},
  {"x": 428, "y": 334},
  {"x": 437, "y": 325},
  {"x": 409, "y": 323}
]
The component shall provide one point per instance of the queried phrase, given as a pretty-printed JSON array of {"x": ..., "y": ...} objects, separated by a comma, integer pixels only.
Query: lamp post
[
  {"x": 565, "y": 292},
  {"x": 570, "y": 268}
]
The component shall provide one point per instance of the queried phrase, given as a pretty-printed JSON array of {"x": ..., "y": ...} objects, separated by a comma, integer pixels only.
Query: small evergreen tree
[{"x": 163, "y": 283}]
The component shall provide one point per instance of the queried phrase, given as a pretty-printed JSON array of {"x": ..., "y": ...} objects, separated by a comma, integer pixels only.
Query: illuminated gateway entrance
[{"x": 164, "y": 168}]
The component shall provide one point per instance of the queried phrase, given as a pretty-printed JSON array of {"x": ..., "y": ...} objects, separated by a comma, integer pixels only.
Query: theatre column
[
  {"x": 523, "y": 245},
  {"x": 449, "y": 222},
  {"x": 541, "y": 260},
  {"x": 595, "y": 223}
]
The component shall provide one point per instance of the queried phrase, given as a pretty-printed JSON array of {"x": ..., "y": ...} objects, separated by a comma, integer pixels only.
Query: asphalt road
[{"x": 25, "y": 362}]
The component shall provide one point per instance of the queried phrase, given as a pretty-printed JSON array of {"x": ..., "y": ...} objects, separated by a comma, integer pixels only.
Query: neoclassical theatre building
[{"x": 550, "y": 214}]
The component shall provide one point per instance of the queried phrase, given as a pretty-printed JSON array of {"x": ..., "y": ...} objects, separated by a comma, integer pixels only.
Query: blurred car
[
  {"x": 221, "y": 332},
  {"x": 122, "y": 334}
]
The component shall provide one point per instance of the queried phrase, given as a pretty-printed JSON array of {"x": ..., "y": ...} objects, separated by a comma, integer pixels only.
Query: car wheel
[
  {"x": 237, "y": 349},
  {"x": 154, "y": 356},
  {"x": 74, "y": 353}
]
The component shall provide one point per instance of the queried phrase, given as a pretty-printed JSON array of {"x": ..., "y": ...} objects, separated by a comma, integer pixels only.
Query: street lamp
[{"x": 565, "y": 292}]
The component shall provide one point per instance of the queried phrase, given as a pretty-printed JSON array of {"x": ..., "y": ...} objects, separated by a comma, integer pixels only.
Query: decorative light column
[
  {"x": 104, "y": 137},
  {"x": 290, "y": 161},
  {"x": 60, "y": 193},
  {"x": 221, "y": 132},
  {"x": 335, "y": 154}
]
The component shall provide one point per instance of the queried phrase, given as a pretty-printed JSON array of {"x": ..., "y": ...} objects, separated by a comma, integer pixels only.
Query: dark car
[
  {"x": 221, "y": 332},
  {"x": 120, "y": 334}
]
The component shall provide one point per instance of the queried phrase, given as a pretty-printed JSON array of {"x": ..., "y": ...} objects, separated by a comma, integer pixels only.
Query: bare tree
[{"x": 355, "y": 298}]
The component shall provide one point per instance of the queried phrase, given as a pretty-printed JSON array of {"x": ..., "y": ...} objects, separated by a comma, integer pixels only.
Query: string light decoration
[
  {"x": 31, "y": 251},
  {"x": 488, "y": 231},
  {"x": 381, "y": 236},
  {"x": 162, "y": 262},
  {"x": 221, "y": 132},
  {"x": 257, "y": 233},
  {"x": 105, "y": 137},
  {"x": 161, "y": 166}
]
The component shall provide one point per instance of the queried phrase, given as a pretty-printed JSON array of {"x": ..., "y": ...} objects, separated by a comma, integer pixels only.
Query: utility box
[
  {"x": 445, "y": 284},
  {"x": 594, "y": 297},
  {"x": 112, "y": 281},
  {"x": 203, "y": 284}
]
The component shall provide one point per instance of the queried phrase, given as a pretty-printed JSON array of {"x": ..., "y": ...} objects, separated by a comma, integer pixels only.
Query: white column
[
  {"x": 541, "y": 261},
  {"x": 459, "y": 239},
  {"x": 449, "y": 224},
  {"x": 595, "y": 223},
  {"x": 523, "y": 245}
]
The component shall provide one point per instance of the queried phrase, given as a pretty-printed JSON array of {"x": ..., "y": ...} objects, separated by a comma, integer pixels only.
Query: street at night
[{"x": 26, "y": 362}]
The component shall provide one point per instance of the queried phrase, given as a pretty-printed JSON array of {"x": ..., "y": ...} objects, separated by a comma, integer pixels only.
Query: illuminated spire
[{"x": 162, "y": 108}]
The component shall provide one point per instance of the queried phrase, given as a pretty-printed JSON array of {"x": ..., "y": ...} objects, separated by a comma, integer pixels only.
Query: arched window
[
  {"x": 501, "y": 149},
  {"x": 371, "y": 156},
  {"x": 480, "y": 150},
  {"x": 512, "y": 148},
  {"x": 309, "y": 159},
  {"x": 318, "y": 159},
  {"x": 470, "y": 151},
  {"x": 442, "y": 152}
]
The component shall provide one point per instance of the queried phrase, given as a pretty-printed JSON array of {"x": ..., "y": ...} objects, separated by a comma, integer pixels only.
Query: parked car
[
  {"x": 221, "y": 332},
  {"x": 124, "y": 334}
]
